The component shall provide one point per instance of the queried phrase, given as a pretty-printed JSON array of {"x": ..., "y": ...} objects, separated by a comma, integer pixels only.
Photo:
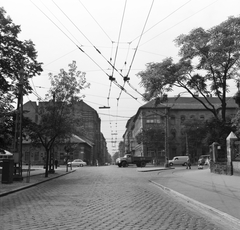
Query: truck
[{"x": 140, "y": 161}]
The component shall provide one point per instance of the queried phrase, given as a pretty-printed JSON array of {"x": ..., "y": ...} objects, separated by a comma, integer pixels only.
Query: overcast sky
[{"x": 114, "y": 28}]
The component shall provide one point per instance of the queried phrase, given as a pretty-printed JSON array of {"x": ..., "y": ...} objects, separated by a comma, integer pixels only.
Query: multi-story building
[
  {"x": 169, "y": 116},
  {"x": 88, "y": 139}
]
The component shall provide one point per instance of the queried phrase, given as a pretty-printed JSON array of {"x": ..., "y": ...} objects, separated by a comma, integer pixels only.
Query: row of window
[
  {"x": 37, "y": 156},
  {"x": 155, "y": 120}
]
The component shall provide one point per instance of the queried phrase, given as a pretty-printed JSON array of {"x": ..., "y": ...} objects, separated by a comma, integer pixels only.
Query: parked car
[
  {"x": 178, "y": 160},
  {"x": 77, "y": 162}
]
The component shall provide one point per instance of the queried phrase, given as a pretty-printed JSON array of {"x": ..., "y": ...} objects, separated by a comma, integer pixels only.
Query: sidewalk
[
  {"x": 216, "y": 194},
  {"x": 37, "y": 176}
]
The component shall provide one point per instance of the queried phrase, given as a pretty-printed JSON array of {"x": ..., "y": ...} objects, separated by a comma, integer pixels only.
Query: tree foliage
[
  {"x": 152, "y": 138},
  {"x": 209, "y": 59},
  {"x": 66, "y": 86},
  {"x": 16, "y": 58},
  {"x": 57, "y": 122},
  {"x": 217, "y": 131},
  {"x": 194, "y": 134}
]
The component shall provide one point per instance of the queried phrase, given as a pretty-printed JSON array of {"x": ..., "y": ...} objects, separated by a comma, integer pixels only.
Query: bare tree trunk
[{"x": 47, "y": 161}]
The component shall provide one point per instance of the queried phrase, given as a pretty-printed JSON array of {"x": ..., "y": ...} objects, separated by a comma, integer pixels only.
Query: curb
[
  {"x": 232, "y": 221},
  {"x": 154, "y": 169},
  {"x": 34, "y": 184}
]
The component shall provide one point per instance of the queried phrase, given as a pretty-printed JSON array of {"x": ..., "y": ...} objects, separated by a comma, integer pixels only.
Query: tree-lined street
[{"x": 100, "y": 198}]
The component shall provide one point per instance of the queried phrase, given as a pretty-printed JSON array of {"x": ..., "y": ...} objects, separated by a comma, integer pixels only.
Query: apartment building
[
  {"x": 89, "y": 142},
  {"x": 169, "y": 116}
]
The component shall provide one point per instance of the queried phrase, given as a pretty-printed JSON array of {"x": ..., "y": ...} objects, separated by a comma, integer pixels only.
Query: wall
[{"x": 236, "y": 168}]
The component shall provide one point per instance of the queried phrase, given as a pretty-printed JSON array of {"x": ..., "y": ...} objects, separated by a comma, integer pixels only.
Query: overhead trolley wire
[
  {"x": 86, "y": 38},
  {"x": 127, "y": 78},
  {"x": 111, "y": 78},
  {"x": 59, "y": 21},
  {"x": 115, "y": 58},
  {"x": 95, "y": 21},
  {"x": 54, "y": 23},
  {"x": 119, "y": 35},
  {"x": 79, "y": 47},
  {"x": 163, "y": 19},
  {"x": 180, "y": 22}
]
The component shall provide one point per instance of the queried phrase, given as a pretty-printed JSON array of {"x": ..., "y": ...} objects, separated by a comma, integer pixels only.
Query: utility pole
[
  {"x": 166, "y": 137},
  {"x": 187, "y": 149},
  {"x": 17, "y": 145}
]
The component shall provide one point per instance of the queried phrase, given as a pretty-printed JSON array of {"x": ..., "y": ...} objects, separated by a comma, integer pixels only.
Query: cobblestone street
[{"x": 99, "y": 198}]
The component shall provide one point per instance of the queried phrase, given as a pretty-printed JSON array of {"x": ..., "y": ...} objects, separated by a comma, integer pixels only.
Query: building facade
[
  {"x": 88, "y": 139},
  {"x": 169, "y": 117}
]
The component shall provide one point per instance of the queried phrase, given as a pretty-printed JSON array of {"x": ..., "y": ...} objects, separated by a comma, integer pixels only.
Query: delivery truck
[{"x": 139, "y": 161}]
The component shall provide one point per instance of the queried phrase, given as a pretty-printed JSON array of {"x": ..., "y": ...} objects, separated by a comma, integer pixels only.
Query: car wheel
[
  {"x": 81, "y": 165},
  {"x": 170, "y": 164}
]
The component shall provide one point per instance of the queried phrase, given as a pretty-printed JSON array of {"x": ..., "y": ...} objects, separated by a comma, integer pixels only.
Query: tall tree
[
  {"x": 152, "y": 138},
  {"x": 56, "y": 120},
  {"x": 209, "y": 60},
  {"x": 15, "y": 57},
  {"x": 195, "y": 132}
]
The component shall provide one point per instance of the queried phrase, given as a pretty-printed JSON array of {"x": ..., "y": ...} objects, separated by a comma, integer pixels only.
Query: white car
[{"x": 77, "y": 162}]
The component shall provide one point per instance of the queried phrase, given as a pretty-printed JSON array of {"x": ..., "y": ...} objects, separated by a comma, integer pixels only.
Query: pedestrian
[
  {"x": 56, "y": 163},
  {"x": 188, "y": 164}
]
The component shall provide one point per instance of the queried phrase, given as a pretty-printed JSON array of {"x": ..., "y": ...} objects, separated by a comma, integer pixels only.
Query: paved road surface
[{"x": 101, "y": 198}]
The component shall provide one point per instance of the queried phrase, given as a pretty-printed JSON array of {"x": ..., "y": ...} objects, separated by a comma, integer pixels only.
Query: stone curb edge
[
  {"x": 154, "y": 169},
  {"x": 235, "y": 223},
  {"x": 34, "y": 184}
]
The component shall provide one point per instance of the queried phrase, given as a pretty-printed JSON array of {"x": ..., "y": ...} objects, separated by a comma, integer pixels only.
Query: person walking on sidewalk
[{"x": 188, "y": 164}]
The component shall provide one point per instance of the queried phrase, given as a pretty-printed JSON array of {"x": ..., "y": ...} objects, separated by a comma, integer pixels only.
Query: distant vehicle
[
  {"x": 178, "y": 160},
  {"x": 77, "y": 162},
  {"x": 204, "y": 160},
  {"x": 129, "y": 159},
  {"x": 4, "y": 154}
]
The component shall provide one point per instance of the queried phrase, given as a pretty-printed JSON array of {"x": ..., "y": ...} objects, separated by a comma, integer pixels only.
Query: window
[
  {"x": 202, "y": 117},
  {"x": 149, "y": 121},
  {"x": 153, "y": 119},
  {"x": 173, "y": 133},
  {"x": 36, "y": 156}
]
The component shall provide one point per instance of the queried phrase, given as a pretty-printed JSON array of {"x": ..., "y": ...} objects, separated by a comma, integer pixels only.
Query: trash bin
[{"x": 7, "y": 171}]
